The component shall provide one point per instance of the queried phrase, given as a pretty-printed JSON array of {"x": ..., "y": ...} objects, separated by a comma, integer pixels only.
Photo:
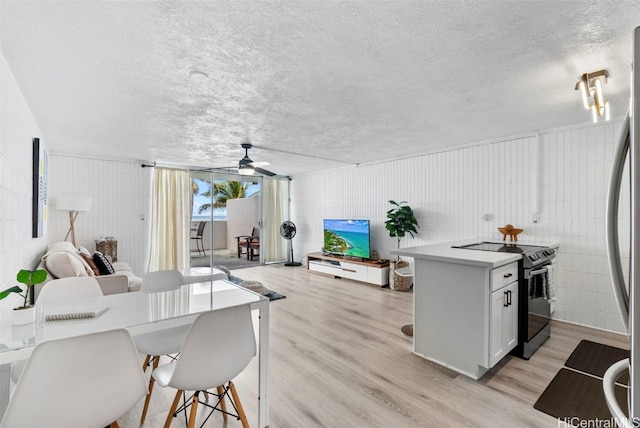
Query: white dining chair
[
  {"x": 219, "y": 346},
  {"x": 78, "y": 382},
  {"x": 61, "y": 290},
  {"x": 67, "y": 289},
  {"x": 165, "y": 342},
  {"x": 204, "y": 275}
]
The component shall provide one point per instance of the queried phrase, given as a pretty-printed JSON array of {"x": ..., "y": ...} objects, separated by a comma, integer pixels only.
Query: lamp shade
[{"x": 73, "y": 203}]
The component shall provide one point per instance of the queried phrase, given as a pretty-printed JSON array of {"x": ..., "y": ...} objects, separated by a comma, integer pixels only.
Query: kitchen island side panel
[{"x": 451, "y": 318}]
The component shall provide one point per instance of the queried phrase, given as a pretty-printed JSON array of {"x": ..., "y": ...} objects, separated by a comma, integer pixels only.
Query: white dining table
[{"x": 139, "y": 313}]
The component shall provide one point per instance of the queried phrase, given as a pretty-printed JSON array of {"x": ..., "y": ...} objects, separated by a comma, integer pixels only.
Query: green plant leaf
[
  {"x": 14, "y": 289},
  {"x": 39, "y": 276},
  {"x": 24, "y": 276},
  {"x": 30, "y": 278},
  {"x": 401, "y": 220}
]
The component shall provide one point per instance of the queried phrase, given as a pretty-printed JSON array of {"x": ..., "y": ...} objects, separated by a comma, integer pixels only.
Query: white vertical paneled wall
[
  {"x": 562, "y": 174},
  {"x": 242, "y": 216},
  {"x": 120, "y": 195},
  {"x": 18, "y": 250}
]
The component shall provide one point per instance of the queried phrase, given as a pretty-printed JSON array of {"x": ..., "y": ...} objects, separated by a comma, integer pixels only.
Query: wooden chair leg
[
  {"x": 194, "y": 411},
  {"x": 173, "y": 408},
  {"x": 146, "y": 363},
  {"x": 223, "y": 404},
  {"x": 236, "y": 399},
  {"x": 152, "y": 381}
]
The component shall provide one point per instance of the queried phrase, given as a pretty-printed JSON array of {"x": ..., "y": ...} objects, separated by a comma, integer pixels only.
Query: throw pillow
[
  {"x": 62, "y": 265},
  {"x": 83, "y": 250},
  {"x": 104, "y": 266},
  {"x": 91, "y": 264},
  {"x": 67, "y": 247},
  {"x": 61, "y": 246}
]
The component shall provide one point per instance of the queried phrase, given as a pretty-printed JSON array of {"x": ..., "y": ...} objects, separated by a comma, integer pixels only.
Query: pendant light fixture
[{"x": 590, "y": 86}]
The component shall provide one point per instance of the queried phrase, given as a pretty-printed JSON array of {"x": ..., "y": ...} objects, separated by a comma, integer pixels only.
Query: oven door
[{"x": 538, "y": 294}]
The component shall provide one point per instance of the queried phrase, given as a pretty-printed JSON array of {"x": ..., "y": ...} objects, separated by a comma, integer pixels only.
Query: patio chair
[
  {"x": 198, "y": 237},
  {"x": 251, "y": 244}
]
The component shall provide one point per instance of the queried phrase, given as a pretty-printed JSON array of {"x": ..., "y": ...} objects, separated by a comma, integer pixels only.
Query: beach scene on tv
[{"x": 347, "y": 237}]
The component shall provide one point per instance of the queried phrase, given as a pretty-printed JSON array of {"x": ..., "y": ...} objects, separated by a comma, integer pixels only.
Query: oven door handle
[{"x": 531, "y": 273}]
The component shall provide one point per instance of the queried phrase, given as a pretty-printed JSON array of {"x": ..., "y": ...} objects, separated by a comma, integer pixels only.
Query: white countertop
[{"x": 444, "y": 252}]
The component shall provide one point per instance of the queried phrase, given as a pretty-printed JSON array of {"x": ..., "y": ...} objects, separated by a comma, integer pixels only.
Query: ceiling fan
[{"x": 248, "y": 167}]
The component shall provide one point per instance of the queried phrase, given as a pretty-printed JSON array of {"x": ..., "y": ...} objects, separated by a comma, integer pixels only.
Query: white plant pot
[{"x": 23, "y": 316}]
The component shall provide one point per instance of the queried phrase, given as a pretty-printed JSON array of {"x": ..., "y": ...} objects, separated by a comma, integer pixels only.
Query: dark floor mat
[
  {"x": 595, "y": 358},
  {"x": 575, "y": 395}
]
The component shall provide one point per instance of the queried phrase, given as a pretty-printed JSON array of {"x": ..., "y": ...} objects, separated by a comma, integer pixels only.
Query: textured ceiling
[{"x": 349, "y": 81}]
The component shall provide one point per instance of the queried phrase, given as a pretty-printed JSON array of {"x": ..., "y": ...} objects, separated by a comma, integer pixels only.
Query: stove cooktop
[
  {"x": 501, "y": 247},
  {"x": 532, "y": 255}
]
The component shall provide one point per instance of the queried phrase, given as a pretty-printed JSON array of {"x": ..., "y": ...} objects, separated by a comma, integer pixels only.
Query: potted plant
[
  {"x": 24, "y": 314},
  {"x": 401, "y": 221}
]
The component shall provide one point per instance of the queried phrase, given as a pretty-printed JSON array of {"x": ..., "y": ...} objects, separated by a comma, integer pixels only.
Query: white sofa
[{"x": 63, "y": 260}]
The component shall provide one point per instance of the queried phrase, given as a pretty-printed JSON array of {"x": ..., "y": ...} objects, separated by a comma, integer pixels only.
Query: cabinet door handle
[
  {"x": 508, "y": 275},
  {"x": 505, "y": 299}
]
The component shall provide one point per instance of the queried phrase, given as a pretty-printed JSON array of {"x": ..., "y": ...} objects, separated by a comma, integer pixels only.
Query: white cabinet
[
  {"x": 503, "y": 275},
  {"x": 503, "y": 330},
  {"x": 460, "y": 317},
  {"x": 370, "y": 271}
]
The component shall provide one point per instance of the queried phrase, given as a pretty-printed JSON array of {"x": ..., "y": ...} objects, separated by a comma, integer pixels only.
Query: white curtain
[
  {"x": 170, "y": 220},
  {"x": 275, "y": 199}
]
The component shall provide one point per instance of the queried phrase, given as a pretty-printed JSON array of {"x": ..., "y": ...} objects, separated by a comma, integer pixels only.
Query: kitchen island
[{"x": 465, "y": 307}]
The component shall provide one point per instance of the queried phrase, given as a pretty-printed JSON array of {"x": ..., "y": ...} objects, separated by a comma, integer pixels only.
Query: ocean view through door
[{"x": 223, "y": 207}]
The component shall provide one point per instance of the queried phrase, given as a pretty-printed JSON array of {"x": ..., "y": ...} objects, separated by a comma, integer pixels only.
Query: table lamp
[{"x": 74, "y": 204}]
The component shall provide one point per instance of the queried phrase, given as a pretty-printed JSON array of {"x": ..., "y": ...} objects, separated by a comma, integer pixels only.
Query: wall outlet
[
  {"x": 535, "y": 217},
  {"x": 487, "y": 217}
]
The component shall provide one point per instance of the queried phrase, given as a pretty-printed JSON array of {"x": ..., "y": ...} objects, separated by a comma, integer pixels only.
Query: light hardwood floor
[{"x": 338, "y": 359}]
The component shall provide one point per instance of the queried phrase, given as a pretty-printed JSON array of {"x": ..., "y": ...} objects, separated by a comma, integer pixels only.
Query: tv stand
[{"x": 369, "y": 271}]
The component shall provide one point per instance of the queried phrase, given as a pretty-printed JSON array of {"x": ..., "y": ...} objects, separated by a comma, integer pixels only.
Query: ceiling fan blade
[
  {"x": 265, "y": 172},
  {"x": 258, "y": 164}
]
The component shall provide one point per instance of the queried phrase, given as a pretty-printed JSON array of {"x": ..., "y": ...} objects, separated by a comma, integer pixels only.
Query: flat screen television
[{"x": 347, "y": 238}]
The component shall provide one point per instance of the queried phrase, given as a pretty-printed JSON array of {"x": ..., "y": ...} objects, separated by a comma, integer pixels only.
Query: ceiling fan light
[
  {"x": 594, "y": 113},
  {"x": 246, "y": 170},
  {"x": 607, "y": 111}
]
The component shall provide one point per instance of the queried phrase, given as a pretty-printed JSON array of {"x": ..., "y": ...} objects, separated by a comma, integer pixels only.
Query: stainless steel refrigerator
[{"x": 627, "y": 296}]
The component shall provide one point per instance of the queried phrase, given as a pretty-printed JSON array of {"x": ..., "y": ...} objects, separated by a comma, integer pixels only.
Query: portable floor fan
[{"x": 288, "y": 231}]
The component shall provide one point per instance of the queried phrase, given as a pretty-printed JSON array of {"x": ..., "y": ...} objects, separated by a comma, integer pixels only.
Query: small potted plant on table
[
  {"x": 401, "y": 221},
  {"x": 24, "y": 314}
]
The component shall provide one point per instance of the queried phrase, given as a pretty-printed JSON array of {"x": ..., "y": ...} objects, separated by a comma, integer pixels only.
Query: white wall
[
  {"x": 120, "y": 192},
  {"x": 563, "y": 175},
  {"x": 242, "y": 216},
  {"x": 18, "y": 250},
  {"x": 219, "y": 235}
]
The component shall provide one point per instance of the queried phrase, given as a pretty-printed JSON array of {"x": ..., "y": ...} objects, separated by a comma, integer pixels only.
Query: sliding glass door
[
  {"x": 226, "y": 207},
  {"x": 202, "y": 220}
]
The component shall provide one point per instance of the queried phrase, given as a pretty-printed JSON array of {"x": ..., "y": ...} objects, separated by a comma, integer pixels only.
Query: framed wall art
[{"x": 39, "y": 198}]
